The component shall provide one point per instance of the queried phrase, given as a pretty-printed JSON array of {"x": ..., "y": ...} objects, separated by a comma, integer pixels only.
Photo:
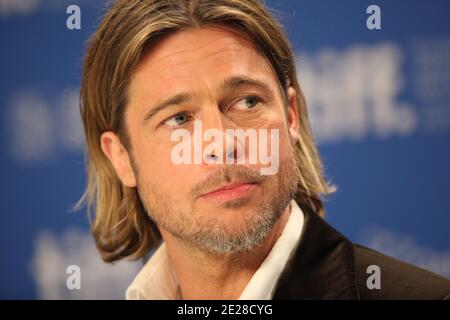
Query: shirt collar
[{"x": 157, "y": 280}]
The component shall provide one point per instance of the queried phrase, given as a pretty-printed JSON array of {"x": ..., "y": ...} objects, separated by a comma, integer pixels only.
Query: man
[{"x": 172, "y": 91}]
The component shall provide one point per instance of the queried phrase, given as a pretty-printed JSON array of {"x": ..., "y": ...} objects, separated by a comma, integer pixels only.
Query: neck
[{"x": 203, "y": 275}]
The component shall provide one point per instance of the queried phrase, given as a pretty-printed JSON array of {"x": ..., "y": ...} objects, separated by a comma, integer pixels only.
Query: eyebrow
[{"x": 228, "y": 84}]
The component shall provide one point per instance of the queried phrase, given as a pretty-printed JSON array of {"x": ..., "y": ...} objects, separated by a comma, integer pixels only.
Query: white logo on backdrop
[
  {"x": 55, "y": 255},
  {"x": 18, "y": 7},
  {"x": 354, "y": 93},
  {"x": 405, "y": 248},
  {"x": 40, "y": 127}
]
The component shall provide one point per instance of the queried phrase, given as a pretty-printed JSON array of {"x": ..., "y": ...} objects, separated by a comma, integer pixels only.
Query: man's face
[{"x": 218, "y": 77}]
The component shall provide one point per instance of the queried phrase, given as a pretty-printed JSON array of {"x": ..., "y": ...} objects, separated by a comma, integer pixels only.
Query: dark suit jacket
[{"x": 326, "y": 265}]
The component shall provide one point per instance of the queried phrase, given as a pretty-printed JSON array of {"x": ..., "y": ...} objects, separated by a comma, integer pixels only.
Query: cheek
[
  {"x": 279, "y": 123},
  {"x": 279, "y": 150},
  {"x": 152, "y": 159},
  {"x": 274, "y": 116},
  {"x": 157, "y": 169}
]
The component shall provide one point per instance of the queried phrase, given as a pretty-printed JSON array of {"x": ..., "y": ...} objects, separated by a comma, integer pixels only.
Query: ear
[
  {"x": 119, "y": 158},
  {"x": 292, "y": 114}
]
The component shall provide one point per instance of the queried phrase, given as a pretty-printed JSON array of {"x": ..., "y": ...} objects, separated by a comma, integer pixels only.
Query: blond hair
[{"x": 121, "y": 226}]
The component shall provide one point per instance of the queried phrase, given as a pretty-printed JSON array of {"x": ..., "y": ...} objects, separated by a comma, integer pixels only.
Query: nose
[{"x": 221, "y": 145}]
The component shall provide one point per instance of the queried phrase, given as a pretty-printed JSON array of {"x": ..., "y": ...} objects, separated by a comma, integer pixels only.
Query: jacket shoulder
[{"x": 397, "y": 280}]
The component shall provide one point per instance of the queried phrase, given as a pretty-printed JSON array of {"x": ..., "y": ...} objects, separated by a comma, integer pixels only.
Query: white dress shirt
[{"x": 157, "y": 279}]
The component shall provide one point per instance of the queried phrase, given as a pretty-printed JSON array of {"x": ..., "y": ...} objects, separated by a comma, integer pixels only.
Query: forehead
[{"x": 197, "y": 58}]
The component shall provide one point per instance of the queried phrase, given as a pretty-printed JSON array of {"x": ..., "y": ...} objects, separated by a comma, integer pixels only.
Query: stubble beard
[{"x": 207, "y": 232}]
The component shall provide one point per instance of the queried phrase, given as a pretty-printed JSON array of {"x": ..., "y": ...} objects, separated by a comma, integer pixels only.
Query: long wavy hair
[{"x": 121, "y": 226}]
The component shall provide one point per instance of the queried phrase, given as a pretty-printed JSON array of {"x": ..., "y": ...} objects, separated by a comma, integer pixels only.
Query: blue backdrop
[{"x": 380, "y": 109}]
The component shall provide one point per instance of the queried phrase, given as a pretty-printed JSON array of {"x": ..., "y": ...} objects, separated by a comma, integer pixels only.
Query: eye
[
  {"x": 177, "y": 120},
  {"x": 247, "y": 103}
]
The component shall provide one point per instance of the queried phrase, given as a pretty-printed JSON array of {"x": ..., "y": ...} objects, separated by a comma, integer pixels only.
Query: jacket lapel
[{"x": 322, "y": 266}]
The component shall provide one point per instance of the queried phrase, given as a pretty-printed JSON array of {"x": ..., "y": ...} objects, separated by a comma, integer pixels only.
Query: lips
[{"x": 231, "y": 191}]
